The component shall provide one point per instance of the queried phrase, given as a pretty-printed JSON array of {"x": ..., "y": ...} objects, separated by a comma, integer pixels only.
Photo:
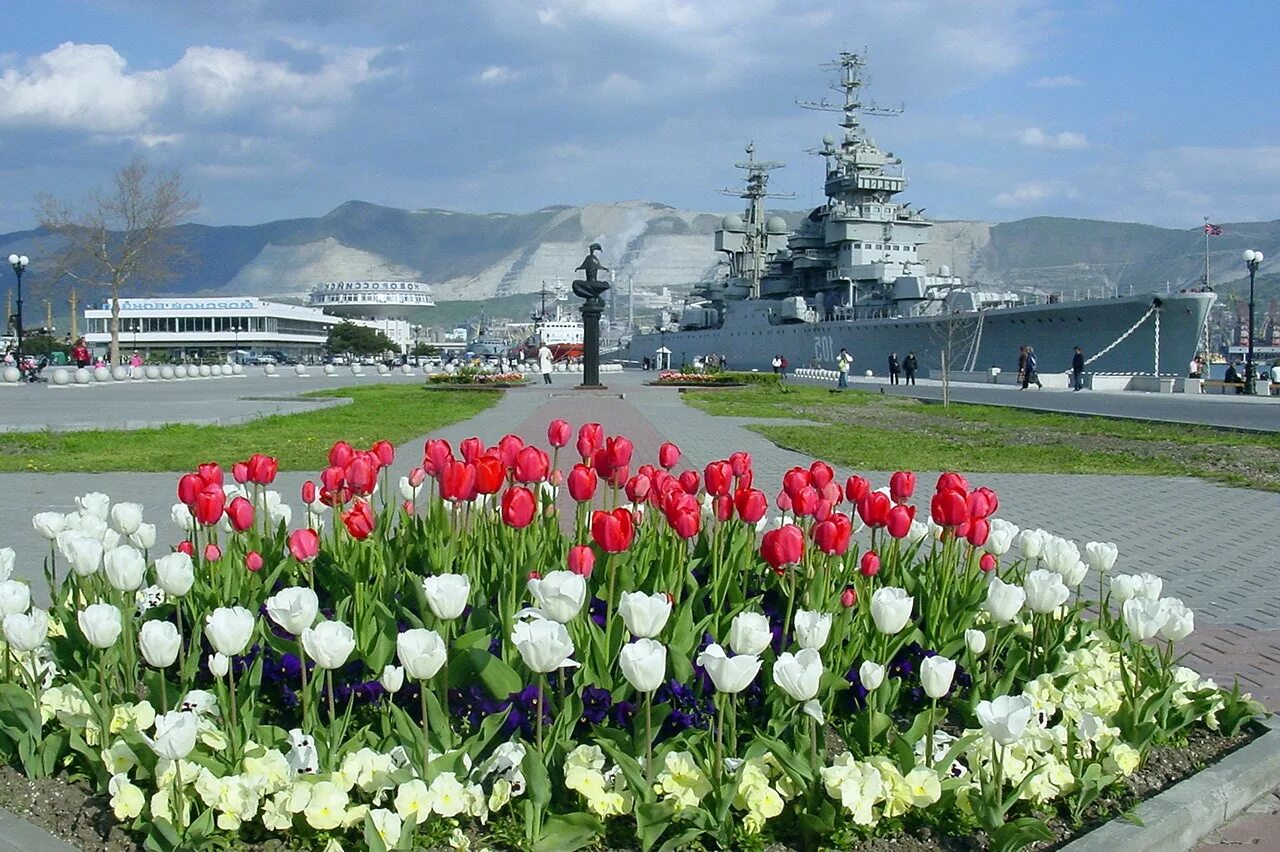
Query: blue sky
[{"x": 1159, "y": 113}]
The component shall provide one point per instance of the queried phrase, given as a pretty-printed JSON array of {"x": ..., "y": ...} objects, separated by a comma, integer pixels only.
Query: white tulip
[
  {"x": 26, "y": 631},
  {"x": 917, "y": 532},
  {"x": 329, "y": 644},
  {"x": 84, "y": 554},
  {"x": 175, "y": 735},
  {"x": 891, "y": 609},
  {"x": 181, "y": 516},
  {"x": 125, "y": 568},
  {"x": 15, "y": 597},
  {"x": 110, "y": 539},
  {"x": 1101, "y": 555},
  {"x": 144, "y": 536},
  {"x": 422, "y": 652},
  {"x": 1031, "y": 542},
  {"x": 1149, "y": 586},
  {"x": 1045, "y": 591},
  {"x": 1059, "y": 555},
  {"x": 644, "y": 615},
  {"x": 730, "y": 675},
  {"x": 159, "y": 641},
  {"x": 219, "y": 665},
  {"x": 798, "y": 675},
  {"x": 94, "y": 527},
  {"x": 559, "y": 594},
  {"x": 409, "y": 492},
  {"x": 975, "y": 641},
  {"x": 749, "y": 633},
  {"x": 126, "y": 517},
  {"x": 295, "y": 608},
  {"x": 447, "y": 594},
  {"x": 1005, "y": 718},
  {"x": 644, "y": 664},
  {"x": 71, "y": 521},
  {"x": 1004, "y": 601},
  {"x": 8, "y": 558},
  {"x": 1180, "y": 621},
  {"x": 812, "y": 628},
  {"x": 543, "y": 645},
  {"x": 870, "y": 675},
  {"x": 229, "y": 629},
  {"x": 1073, "y": 575},
  {"x": 936, "y": 674},
  {"x": 175, "y": 574},
  {"x": 392, "y": 678},
  {"x": 49, "y": 524},
  {"x": 1000, "y": 538},
  {"x": 94, "y": 503},
  {"x": 1144, "y": 618},
  {"x": 101, "y": 625}
]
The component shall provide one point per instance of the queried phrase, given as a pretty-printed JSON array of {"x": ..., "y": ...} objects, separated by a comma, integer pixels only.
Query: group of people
[{"x": 908, "y": 367}]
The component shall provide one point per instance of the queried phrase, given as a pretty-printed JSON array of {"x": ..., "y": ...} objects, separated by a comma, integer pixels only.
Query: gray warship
[{"x": 851, "y": 277}]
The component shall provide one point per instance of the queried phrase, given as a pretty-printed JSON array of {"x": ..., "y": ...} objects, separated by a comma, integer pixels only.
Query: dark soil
[{"x": 70, "y": 810}]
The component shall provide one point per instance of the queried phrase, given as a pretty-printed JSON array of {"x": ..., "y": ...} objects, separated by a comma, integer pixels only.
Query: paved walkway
[{"x": 1226, "y": 573}]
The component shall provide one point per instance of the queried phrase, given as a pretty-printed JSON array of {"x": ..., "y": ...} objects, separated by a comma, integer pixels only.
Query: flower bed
[
  {"x": 470, "y": 377},
  {"x": 445, "y": 659},
  {"x": 679, "y": 379}
]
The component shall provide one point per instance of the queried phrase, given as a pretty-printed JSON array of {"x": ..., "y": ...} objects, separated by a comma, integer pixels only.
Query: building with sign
[{"x": 216, "y": 328}]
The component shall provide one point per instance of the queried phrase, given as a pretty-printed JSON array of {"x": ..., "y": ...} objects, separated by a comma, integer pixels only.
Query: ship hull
[{"x": 748, "y": 340}]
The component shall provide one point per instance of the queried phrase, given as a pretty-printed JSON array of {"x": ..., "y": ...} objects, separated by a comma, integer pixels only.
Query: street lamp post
[
  {"x": 19, "y": 264},
  {"x": 1252, "y": 259}
]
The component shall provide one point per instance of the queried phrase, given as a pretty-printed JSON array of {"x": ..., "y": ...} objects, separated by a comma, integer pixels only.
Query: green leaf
[
  {"x": 568, "y": 832},
  {"x": 1019, "y": 834},
  {"x": 499, "y": 678},
  {"x": 652, "y": 819},
  {"x": 372, "y": 840},
  {"x": 537, "y": 781}
]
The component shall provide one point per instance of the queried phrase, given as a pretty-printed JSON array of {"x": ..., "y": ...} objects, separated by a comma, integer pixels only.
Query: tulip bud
[
  {"x": 308, "y": 492},
  {"x": 304, "y": 544},
  {"x": 253, "y": 561},
  {"x": 871, "y": 675},
  {"x": 219, "y": 665},
  {"x": 870, "y": 564},
  {"x": 976, "y": 641},
  {"x": 582, "y": 560},
  {"x": 212, "y": 553},
  {"x": 987, "y": 563},
  {"x": 186, "y": 547},
  {"x": 848, "y": 598},
  {"x": 558, "y": 433},
  {"x": 668, "y": 455},
  {"x": 535, "y": 575},
  {"x": 240, "y": 514},
  {"x": 392, "y": 678},
  {"x": 240, "y": 472}
]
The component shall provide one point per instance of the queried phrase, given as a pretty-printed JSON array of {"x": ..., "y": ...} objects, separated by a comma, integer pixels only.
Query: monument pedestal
[{"x": 591, "y": 311}]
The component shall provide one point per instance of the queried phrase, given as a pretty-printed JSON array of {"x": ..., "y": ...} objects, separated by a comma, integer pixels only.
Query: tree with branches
[{"x": 121, "y": 238}]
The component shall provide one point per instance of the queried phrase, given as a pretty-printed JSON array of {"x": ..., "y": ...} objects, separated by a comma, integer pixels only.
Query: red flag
[{"x": 1212, "y": 230}]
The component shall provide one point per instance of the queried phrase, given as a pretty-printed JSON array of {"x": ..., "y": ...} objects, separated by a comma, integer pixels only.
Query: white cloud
[
  {"x": 81, "y": 86},
  {"x": 619, "y": 85},
  {"x": 1034, "y": 137},
  {"x": 1061, "y": 81},
  {"x": 1034, "y": 191},
  {"x": 496, "y": 75}
]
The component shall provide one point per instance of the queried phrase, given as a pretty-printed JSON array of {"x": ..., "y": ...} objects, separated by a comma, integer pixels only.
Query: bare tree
[
  {"x": 956, "y": 336},
  {"x": 121, "y": 238}
]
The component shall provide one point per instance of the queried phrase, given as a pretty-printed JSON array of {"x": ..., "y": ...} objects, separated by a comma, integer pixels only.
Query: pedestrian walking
[
  {"x": 909, "y": 367},
  {"x": 1022, "y": 366},
  {"x": 843, "y": 362},
  {"x": 80, "y": 353},
  {"x": 544, "y": 363},
  {"x": 777, "y": 365},
  {"x": 135, "y": 364},
  {"x": 1077, "y": 368},
  {"x": 893, "y": 368},
  {"x": 1029, "y": 373}
]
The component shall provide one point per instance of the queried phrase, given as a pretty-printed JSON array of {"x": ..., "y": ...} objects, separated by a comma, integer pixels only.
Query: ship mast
[{"x": 755, "y": 192}]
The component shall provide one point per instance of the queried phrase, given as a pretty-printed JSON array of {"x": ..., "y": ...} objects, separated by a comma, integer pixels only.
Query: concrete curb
[
  {"x": 1181, "y": 816},
  {"x": 18, "y": 835}
]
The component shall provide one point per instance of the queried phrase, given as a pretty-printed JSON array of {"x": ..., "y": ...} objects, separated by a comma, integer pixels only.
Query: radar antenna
[
  {"x": 756, "y": 191},
  {"x": 851, "y": 79}
]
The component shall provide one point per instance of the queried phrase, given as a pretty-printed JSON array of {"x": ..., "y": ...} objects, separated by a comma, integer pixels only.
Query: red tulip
[
  {"x": 685, "y": 522},
  {"x": 558, "y": 433},
  {"x": 508, "y": 447},
  {"x": 899, "y": 520},
  {"x": 189, "y": 486},
  {"x": 212, "y": 553},
  {"x": 949, "y": 508},
  {"x": 458, "y": 481},
  {"x": 240, "y": 472},
  {"x": 185, "y": 546},
  {"x": 613, "y": 531},
  {"x": 638, "y": 488},
  {"x": 210, "y": 503},
  {"x": 437, "y": 454},
  {"x": 532, "y": 465},
  {"x": 304, "y": 544},
  {"x": 332, "y": 477},
  {"x": 308, "y": 492},
  {"x": 902, "y": 485},
  {"x": 805, "y": 502},
  {"x": 335, "y": 497},
  {"x": 832, "y": 493},
  {"x": 993, "y": 502},
  {"x": 689, "y": 481},
  {"x": 848, "y": 598},
  {"x": 979, "y": 530},
  {"x": 210, "y": 473},
  {"x": 855, "y": 488},
  {"x": 822, "y": 511},
  {"x": 723, "y": 507},
  {"x": 873, "y": 508},
  {"x": 359, "y": 520},
  {"x": 471, "y": 448},
  {"x": 263, "y": 469},
  {"x": 620, "y": 449},
  {"x": 253, "y": 561},
  {"x": 783, "y": 546},
  {"x": 869, "y": 565},
  {"x": 518, "y": 507},
  {"x": 416, "y": 476},
  {"x": 582, "y": 483},
  {"x": 340, "y": 454},
  {"x": 590, "y": 439},
  {"x": 748, "y": 477},
  {"x": 783, "y": 502},
  {"x": 987, "y": 563},
  {"x": 240, "y": 514},
  {"x": 385, "y": 452},
  {"x": 582, "y": 559},
  {"x": 490, "y": 474},
  {"x": 751, "y": 504},
  {"x": 952, "y": 480},
  {"x": 821, "y": 473},
  {"x": 832, "y": 535},
  {"x": 794, "y": 480},
  {"x": 361, "y": 476},
  {"x": 718, "y": 477},
  {"x": 668, "y": 455},
  {"x": 740, "y": 462}
]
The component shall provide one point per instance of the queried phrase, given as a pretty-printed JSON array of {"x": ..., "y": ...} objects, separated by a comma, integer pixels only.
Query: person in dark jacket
[
  {"x": 1022, "y": 365},
  {"x": 893, "y": 368},
  {"x": 909, "y": 367},
  {"x": 1030, "y": 373},
  {"x": 1077, "y": 367}
]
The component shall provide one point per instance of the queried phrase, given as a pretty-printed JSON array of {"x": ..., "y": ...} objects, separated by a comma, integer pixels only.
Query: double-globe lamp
[
  {"x": 19, "y": 264},
  {"x": 1252, "y": 259}
]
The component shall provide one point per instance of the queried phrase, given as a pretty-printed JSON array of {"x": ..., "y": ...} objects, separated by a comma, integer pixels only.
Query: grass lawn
[
  {"x": 300, "y": 441},
  {"x": 876, "y": 432}
]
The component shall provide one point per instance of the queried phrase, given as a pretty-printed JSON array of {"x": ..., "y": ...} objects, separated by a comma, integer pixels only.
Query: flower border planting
[{"x": 445, "y": 657}]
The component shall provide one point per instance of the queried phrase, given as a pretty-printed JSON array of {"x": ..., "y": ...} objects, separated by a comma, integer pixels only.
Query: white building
[{"x": 190, "y": 327}]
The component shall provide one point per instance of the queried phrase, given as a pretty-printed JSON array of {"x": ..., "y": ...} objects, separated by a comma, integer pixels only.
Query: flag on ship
[{"x": 1212, "y": 229}]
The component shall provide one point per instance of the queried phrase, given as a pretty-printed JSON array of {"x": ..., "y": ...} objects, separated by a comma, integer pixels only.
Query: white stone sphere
[
  {"x": 406, "y": 369},
  {"x": 383, "y": 370},
  {"x": 83, "y": 376},
  {"x": 238, "y": 369},
  {"x": 356, "y": 371},
  {"x": 11, "y": 374},
  {"x": 300, "y": 369},
  {"x": 205, "y": 371},
  {"x": 166, "y": 372},
  {"x": 61, "y": 376},
  {"x": 180, "y": 371},
  {"x": 101, "y": 374},
  {"x": 119, "y": 373},
  {"x": 152, "y": 371},
  {"x": 269, "y": 369},
  {"x": 329, "y": 369},
  {"x": 869, "y": 374}
]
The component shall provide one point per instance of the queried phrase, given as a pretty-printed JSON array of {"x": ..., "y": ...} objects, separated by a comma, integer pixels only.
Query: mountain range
[{"x": 479, "y": 257}]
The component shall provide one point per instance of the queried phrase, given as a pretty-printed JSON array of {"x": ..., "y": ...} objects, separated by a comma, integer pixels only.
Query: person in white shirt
[
  {"x": 1275, "y": 377},
  {"x": 544, "y": 363}
]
